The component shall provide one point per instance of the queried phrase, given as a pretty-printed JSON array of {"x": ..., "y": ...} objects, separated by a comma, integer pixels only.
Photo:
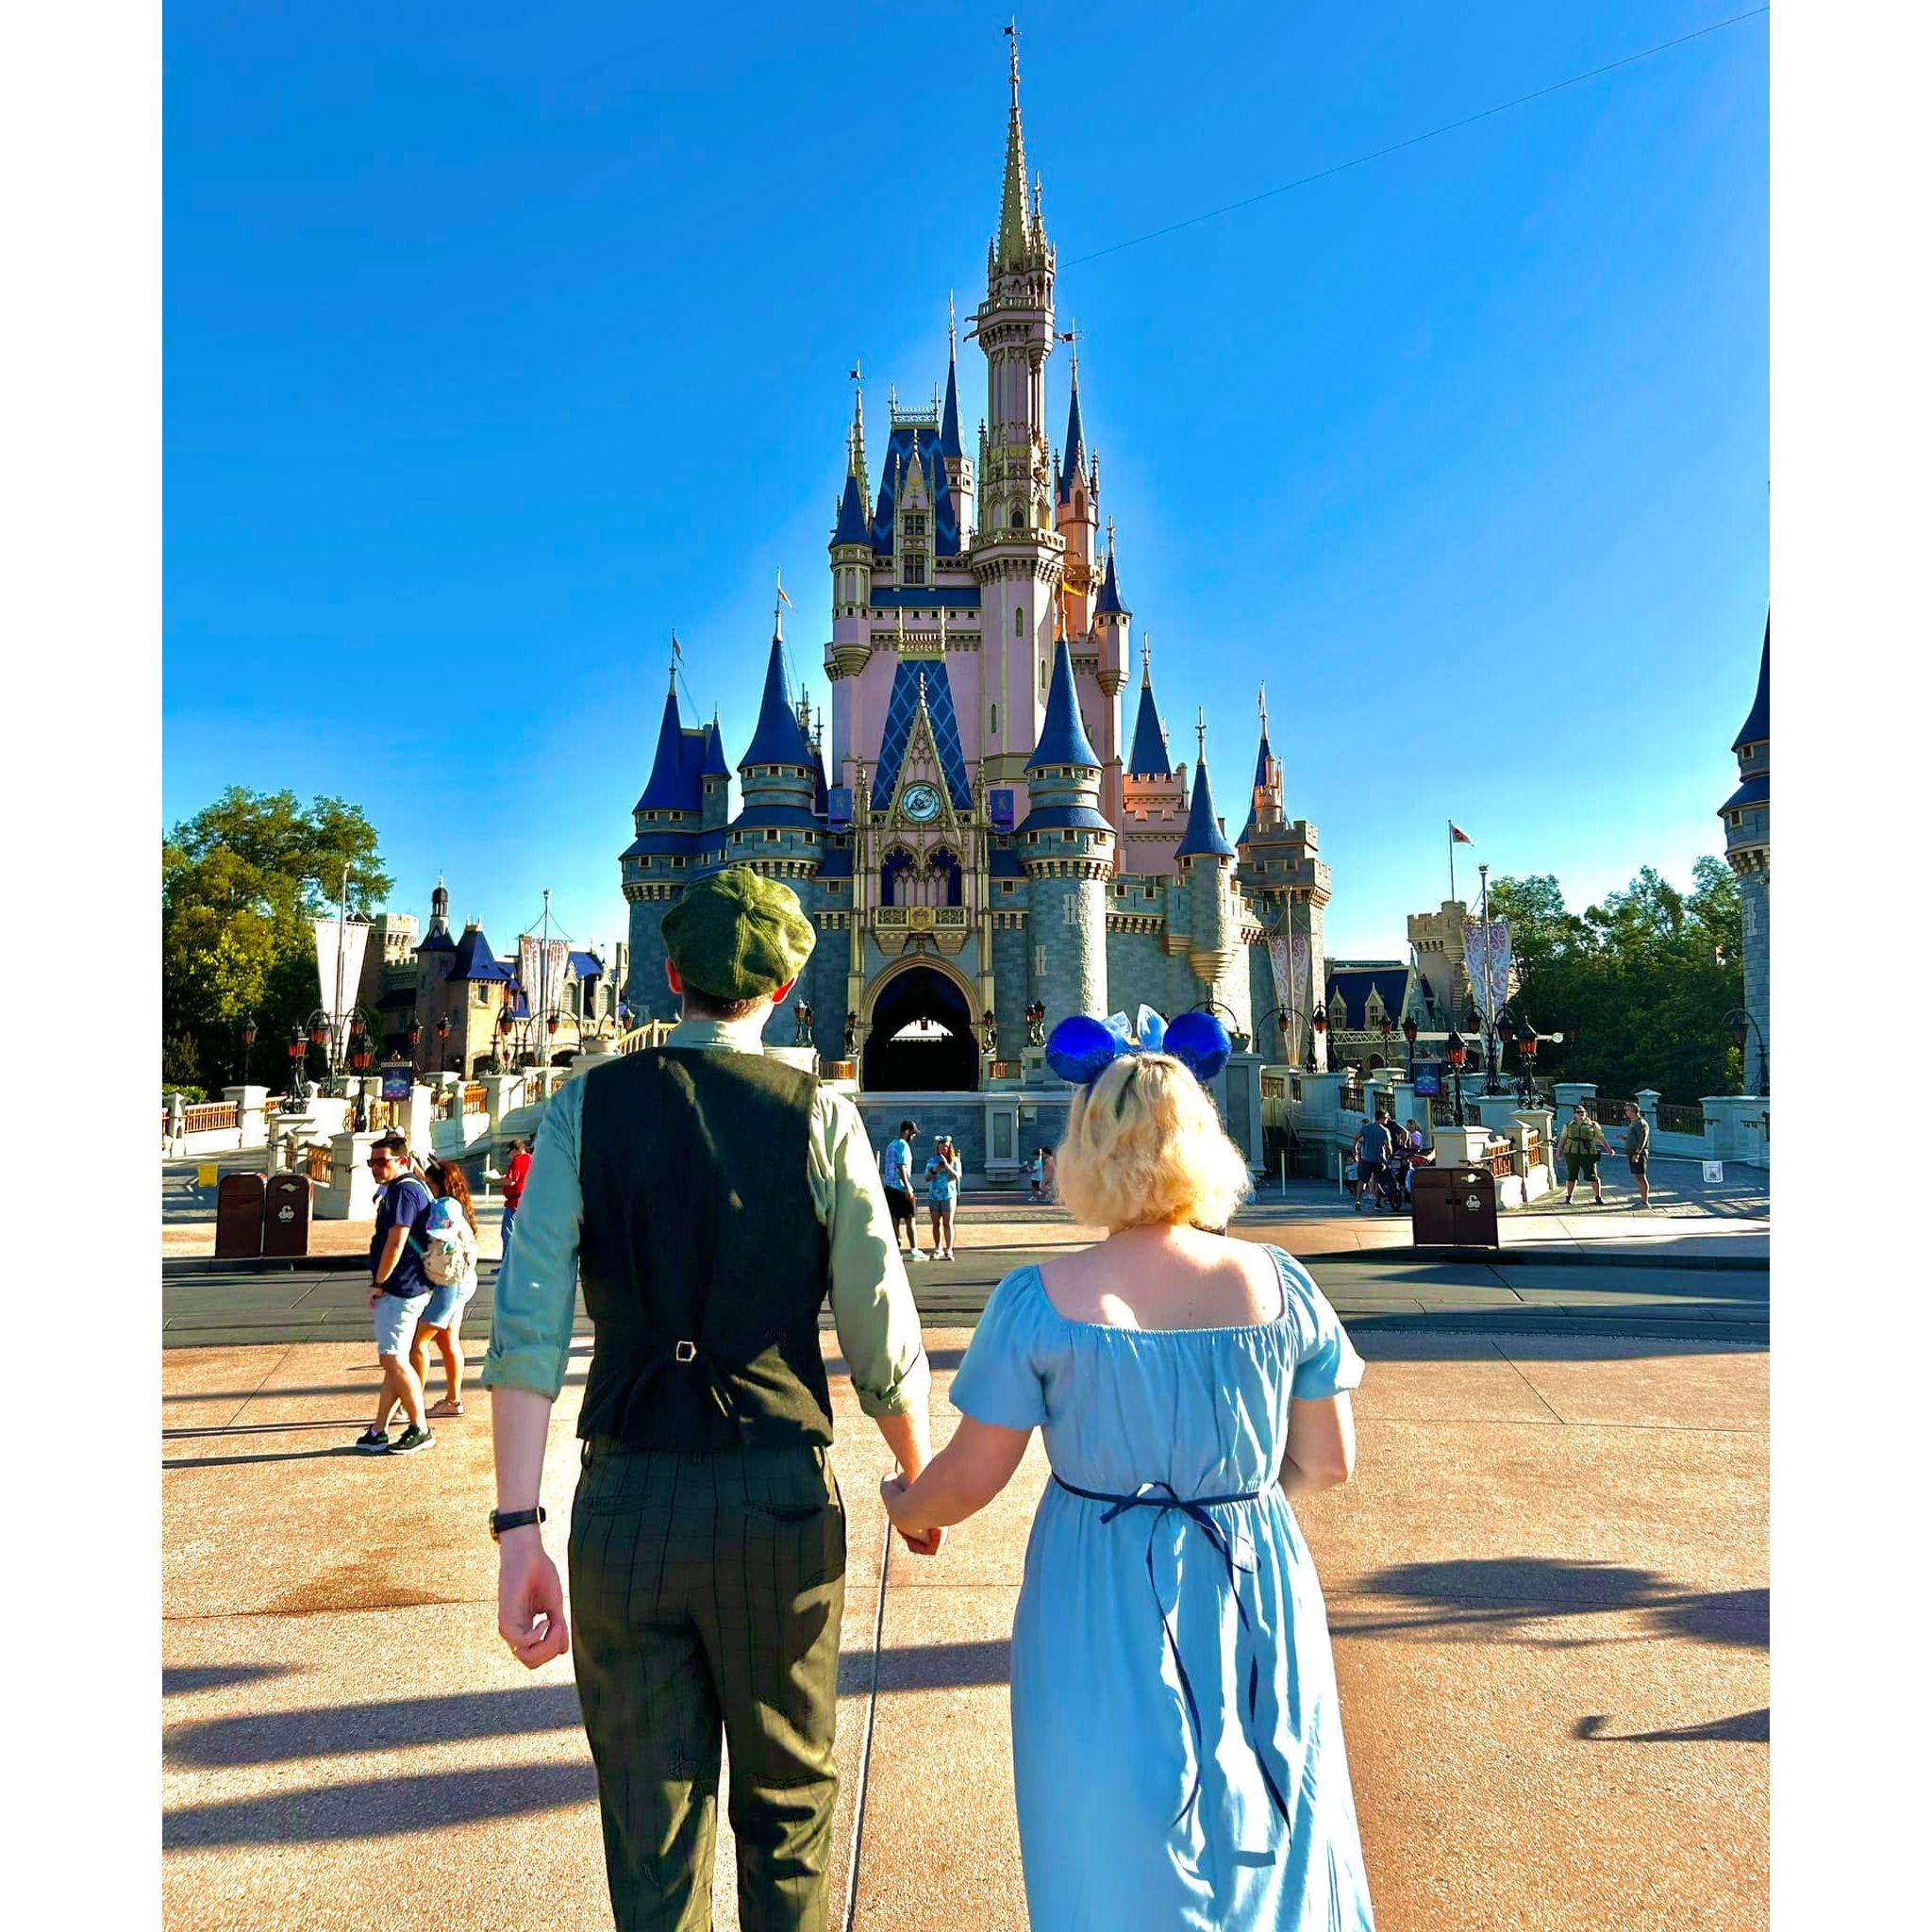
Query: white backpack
[{"x": 450, "y": 1253}]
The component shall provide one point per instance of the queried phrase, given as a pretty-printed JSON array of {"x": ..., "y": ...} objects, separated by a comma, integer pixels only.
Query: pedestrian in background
[
  {"x": 1036, "y": 1174},
  {"x": 1637, "y": 1149},
  {"x": 516, "y": 1177},
  {"x": 451, "y": 1228},
  {"x": 896, "y": 1175},
  {"x": 398, "y": 1293},
  {"x": 942, "y": 1195},
  {"x": 1583, "y": 1146}
]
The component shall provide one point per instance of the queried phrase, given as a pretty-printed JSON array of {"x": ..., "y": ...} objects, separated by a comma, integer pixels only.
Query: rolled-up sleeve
[
  {"x": 535, "y": 1299},
  {"x": 872, "y": 1303}
]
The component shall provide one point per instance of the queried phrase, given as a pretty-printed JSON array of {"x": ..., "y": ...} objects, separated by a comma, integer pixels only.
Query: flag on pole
[
  {"x": 1457, "y": 836},
  {"x": 783, "y": 597}
]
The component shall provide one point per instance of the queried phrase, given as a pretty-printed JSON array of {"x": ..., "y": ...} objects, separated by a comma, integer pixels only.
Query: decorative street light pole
[
  {"x": 1456, "y": 1053},
  {"x": 442, "y": 1041},
  {"x": 1410, "y": 1030},
  {"x": 247, "y": 1046},
  {"x": 1318, "y": 1025},
  {"x": 1741, "y": 1025},
  {"x": 298, "y": 1052}
]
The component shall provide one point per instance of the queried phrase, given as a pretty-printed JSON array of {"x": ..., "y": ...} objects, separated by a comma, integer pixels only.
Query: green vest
[{"x": 703, "y": 1258}]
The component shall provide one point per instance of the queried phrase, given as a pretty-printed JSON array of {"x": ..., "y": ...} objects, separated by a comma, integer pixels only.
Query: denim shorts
[
  {"x": 396, "y": 1322},
  {"x": 446, "y": 1305}
]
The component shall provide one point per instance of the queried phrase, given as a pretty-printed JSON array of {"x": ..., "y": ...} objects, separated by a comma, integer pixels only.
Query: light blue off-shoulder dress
[{"x": 1178, "y": 1750}]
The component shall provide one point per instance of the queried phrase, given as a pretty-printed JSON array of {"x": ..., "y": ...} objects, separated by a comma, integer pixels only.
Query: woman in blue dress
[{"x": 1178, "y": 1750}]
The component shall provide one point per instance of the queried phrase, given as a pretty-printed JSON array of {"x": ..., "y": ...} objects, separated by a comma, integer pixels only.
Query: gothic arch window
[
  {"x": 944, "y": 868},
  {"x": 1338, "y": 1013},
  {"x": 892, "y": 878},
  {"x": 994, "y": 726},
  {"x": 1019, "y": 518},
  {"x": 1019, "y": 623}
]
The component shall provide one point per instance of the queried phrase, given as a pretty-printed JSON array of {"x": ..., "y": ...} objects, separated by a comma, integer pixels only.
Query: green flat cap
[{"x": 737, "y": 936}]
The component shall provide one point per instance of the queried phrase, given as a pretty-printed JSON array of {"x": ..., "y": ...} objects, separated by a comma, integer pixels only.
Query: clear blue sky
[{"x": 498, "y": 341}]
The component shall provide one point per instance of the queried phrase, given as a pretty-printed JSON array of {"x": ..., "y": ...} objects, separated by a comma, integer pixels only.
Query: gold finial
[
  {"x": 1147, "y": 657},
  {"x": 1263, "y": 701},
  {"x": 677, "y": 653},
  {"x": 951, "y": 326},
  {"x": 1201, "y": 735},
  {"x": 1011, "y": 30}
]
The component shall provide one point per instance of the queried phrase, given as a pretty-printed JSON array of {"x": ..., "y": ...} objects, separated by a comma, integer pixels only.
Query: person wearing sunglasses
[{"x": 398, "y": 1293}]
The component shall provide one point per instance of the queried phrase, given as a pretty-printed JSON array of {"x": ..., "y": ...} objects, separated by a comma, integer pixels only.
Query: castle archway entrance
[{"x": 920, "y": 1037}]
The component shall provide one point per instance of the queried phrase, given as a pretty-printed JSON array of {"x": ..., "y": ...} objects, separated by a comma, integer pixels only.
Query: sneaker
[
  {"x": 374, "y": 1441},
  {"x": 410, "y": 1441},
  {"x": 913, "y": 1254}
]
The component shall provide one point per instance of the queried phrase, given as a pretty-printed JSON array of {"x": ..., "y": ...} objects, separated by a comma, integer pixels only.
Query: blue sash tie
[{"x": 1233, "y": 1547}]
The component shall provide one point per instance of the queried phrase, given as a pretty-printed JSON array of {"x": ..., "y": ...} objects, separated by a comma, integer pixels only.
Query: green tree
[
  {"x": 1639, "y": 984},
  {"x": 240, "y": 881}
]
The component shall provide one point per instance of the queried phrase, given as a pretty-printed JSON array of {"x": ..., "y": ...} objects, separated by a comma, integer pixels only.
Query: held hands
[
  {"x": 922, "y": 1541},
  {"x": 529, "y": 1600}
]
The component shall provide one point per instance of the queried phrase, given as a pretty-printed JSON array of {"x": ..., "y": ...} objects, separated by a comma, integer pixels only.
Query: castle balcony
[{"x": 895, "y": 926}]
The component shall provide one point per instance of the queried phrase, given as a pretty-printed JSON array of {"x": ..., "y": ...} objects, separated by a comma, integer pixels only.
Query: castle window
[
  {"x": 994, "y": 725},
  {"x": 678, "y": 862},
  {"x": 1019, "y": 623},
  {"x": 1019, "y": 518},
  {"x": 1149, "y": 890},
  {"x": 914, "y": 570},
  {"x": 771, "y": 837},
  {"x": 1007, "y": 887}
]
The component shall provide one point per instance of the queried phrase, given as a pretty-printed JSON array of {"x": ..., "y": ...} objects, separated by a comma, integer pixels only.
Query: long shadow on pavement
[{"x": 1486, "y": 1598}]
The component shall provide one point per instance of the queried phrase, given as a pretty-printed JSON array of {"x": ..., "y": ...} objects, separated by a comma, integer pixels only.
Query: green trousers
[{"x": 706, "y": 1598}]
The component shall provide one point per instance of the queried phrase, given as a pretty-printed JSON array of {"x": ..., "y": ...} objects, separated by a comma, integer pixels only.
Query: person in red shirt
[{"x": 514, "y": 1177}]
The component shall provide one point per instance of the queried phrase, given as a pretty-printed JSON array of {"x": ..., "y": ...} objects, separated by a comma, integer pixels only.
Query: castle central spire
[{"x": 1014, "y": 248}]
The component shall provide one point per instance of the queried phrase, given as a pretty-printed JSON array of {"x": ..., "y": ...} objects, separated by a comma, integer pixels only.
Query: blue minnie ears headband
[{"x": 1081, "y": 1048}]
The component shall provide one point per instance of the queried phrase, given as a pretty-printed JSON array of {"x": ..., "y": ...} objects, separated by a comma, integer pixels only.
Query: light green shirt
[{"x": 535, "y": 1301}]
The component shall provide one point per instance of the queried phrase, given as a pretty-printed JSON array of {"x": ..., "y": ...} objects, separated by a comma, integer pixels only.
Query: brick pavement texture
[{"x": 1547, "y": 1585}]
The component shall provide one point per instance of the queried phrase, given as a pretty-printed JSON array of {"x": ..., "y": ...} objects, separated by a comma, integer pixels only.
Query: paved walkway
[{"x": 1548, "y": 1586}]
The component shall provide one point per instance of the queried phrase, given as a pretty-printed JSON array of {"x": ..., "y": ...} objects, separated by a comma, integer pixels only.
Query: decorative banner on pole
[
  {"x": 540, "y": 968},
  {"x": 1288, "y": 963},
  {"x": 339, "y": 995},
  {"x": 1486, "y": 956}
]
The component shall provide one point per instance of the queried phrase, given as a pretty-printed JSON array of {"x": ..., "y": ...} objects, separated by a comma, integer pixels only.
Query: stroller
[{"x": 1392, "y": 1184}]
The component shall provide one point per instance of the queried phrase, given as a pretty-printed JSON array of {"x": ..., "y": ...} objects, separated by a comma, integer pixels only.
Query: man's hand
[
  {"x": 374, "y": 1296},
  {"x": 921, "y": 1542},
  {"x": 529, "y": 1600}
]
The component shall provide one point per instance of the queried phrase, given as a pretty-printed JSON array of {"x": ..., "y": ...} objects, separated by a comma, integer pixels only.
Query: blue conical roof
[
  {"x": 853, "y": 528},
  {"x": 1757, "y": 725},
  {"x": 1109, "y": 598},
  {"x": 672, "y": 784},
  {"x": 1063, "y": 739},
  {"x": 1204, "y": 833},
  {"x": 1262, "y": 758},
  {"x": 1074, "y": 456},
  {"x": 949, "y": 417},
  {"x": 1149, "y": 756},
  {"x": 778, "y": 739},
  {"x": 715, "y": 765},
  {"x": 475, "y": 961}
]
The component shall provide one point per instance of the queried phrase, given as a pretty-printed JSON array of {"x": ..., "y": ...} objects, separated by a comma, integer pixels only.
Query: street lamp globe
[{"x": 1453, "y": 1050}]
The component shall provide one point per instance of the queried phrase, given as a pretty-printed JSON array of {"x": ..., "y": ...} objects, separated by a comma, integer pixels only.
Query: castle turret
[
  {"x": 1746, "y": 815},
  {"x": 715, "y": 778},
  {"x": 1286, "y": 884},
  {"x": 953, "y": 456},
  {"x": 777, "y": 831},
  {"x": 1067, "y": 850},
  {"x": 1112, "y": 635},
  {"x": 1207, "y": 863},
  {"x": 1016, "y": 556},
  {"x": 1077, "y": 516},
  {"x": 667, "y": 820}
]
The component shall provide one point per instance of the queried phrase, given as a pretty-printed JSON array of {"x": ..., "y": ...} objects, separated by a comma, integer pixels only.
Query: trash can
[
  {"x": 285, "y": 1225},
  {"x": 239, "y": 1204},
  {"x": 1454, "y": 1208}
]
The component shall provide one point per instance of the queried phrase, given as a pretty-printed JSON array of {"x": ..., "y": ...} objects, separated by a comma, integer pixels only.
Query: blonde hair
[{"x": 1145, "y": 1147}]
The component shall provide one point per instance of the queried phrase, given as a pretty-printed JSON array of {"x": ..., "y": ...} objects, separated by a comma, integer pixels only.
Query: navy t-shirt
[
  {"x": 1374, "y": 1143},
  {"x": 405, "y": 1203}
]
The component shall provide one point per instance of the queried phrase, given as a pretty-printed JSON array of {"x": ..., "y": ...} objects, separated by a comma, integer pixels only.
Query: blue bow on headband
[{"x": 1081, "y": 1048}]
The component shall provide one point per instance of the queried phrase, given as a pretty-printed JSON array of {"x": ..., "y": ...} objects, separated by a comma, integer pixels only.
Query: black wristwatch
[{"x": 501, "y": 1519}]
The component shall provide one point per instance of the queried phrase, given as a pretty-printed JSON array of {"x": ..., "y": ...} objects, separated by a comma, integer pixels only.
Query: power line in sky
[{"x": 1416, "y": 139}]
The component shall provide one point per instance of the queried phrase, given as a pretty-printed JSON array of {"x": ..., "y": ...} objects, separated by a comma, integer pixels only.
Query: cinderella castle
[{"x": 983, "y": 849}]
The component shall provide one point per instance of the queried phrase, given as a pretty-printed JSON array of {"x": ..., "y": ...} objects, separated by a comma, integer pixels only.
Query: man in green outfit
[
  {"x": 710, "y": 1197},
  {"x": 1583, "y": 1148}
]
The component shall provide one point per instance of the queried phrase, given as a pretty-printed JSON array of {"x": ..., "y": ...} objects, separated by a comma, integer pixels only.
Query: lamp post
[
  {"x": 1456, "y": 1053},
  {"x": 1740, "y": 1027},
  {"x": 441, "y": 1042},
  {"x": 1318, "y": 1025},
  {"x": 1410, "y": 1030},
  {"x": 298, "y": 1052},
  {"x": 1385, "y": 1027},
  {"x": 247, "y": 1044}
]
